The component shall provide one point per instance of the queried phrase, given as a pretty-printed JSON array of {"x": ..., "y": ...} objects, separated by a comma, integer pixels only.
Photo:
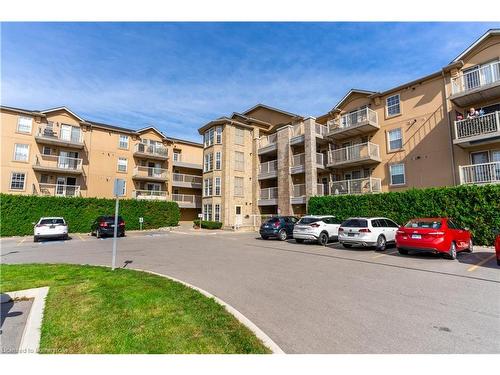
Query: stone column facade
[
  {"x": 255, "y": 175},
  {"x": 284, "y": 177},
  {"x": 311, "y": 172}
]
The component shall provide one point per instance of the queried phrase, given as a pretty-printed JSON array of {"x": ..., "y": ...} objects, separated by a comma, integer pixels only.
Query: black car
[
  {"x": 105, "y": 226},
  {"x": 280, "y": 227}
]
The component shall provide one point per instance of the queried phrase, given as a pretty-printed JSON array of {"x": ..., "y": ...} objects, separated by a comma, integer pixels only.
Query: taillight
[
  {"x": 399, "y": 231},
  {"x": 365, "y": 230},
  {"x": 103, "y": 224},
  {"x": 122, "y": 224},
  {"x": 436, "y": 233},
  {"x": 341, "y": 229},
  {"x": 277, "y": 224},
  {"x": 314, "y": 225},
  {"x": 38, "y": 225}
]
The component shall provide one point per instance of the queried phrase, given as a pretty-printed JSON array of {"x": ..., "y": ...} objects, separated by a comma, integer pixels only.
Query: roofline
[
  {"x": 404, "y": 85},
  {"x": 63, "y": 108},
  {"x": 272, "y": 109},
  {"x": 178, "y": 140},
  {"x": 352, "y": 91},
  {"x": 222, "y": 121},
  {"x": 478, "y": 41},
  {"x": 21, "y": 110}
]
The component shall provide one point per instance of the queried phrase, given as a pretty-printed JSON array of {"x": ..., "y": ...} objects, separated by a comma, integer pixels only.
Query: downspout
[{"x": 449, "y": 130}]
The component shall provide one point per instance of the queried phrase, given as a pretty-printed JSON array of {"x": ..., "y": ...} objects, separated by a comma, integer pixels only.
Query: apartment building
[
  {"x": 268, "y": 161},
  {"x": 57, "y": 152}
]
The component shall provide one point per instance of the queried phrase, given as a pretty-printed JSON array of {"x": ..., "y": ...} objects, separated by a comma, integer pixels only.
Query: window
[
  {"x": 393, "y": 106},
  {"x": 218, "y": 160},
  {"x": 208, "y": 162},
  {"x": 217, "y": 185},
  {"x": 123, "y": 143},
  {"x": 238, "y": 186},
  {"x": 218, "y": 134},
  {"x": 239, "y": 161},
  {"x": 395, "y": 138},
  {"x": 239, "y": 136},
  {"x": 209, "y": 137},
  {"x": 390, "y": 223},
  {"x": 17, "y": 181},
  {"x": 46, "y": 150},
  {"x": 122, "y": 164},
  {"x": 44, "y": 178},
  {"x": 177, "y": 156},
  {"x": 207, "y": 187},
  {"x": 207, "y": 212},
  {"x": 21, "y": 152},
  {"x": 452, "y": 225},
  {"x": 397, "y": 174},
  {"x": 217, "y": 212},
  {"x": 24, "y": 124}
]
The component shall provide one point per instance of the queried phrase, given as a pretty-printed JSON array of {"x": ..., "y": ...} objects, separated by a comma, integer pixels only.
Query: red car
[
  {"x": 437, "y": 235},
  {"x": 497, "y": 248}
]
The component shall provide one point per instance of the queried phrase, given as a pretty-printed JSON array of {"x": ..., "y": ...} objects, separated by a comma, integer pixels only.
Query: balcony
[
  {"x": 322, "y": 189},
  {"x": 470, "y": 132},
  {"x": 186, "y": 180},
  {"x": 320, "y": 160},
  {"x": 178, "y": 161},
  {"x": 487, "y": 173},
  {"x": 363, "y": 153},
  {"x": 358, "y": 186},
  {"x": 68, "y": 136},
  {"x": 150, "y": 194},
  {"x": 267, "y": 143},
  {"x": 53, "y": 163},
  {"x": 354, "y": 124},
  {"x": 321, "y": 130},
  {"x": 268, "y": 197},
  {"x": 187, "y": 201},
  {"x": 297, "y": 134},
  {"x": 298, "y": 194},
  {"x": 269, "y": 169},
  {"x": 476, "y": 85},
  {"x": 298, "y": 164},
  {"x": 142, "y": 150},
  {"x": 150, "y": 174},
  {"x": 57, "y": 190}
]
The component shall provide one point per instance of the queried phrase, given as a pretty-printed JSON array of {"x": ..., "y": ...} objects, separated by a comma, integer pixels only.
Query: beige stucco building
[
  {"x": 266, "y": 161},
  {"x": 56, "y": 152}
]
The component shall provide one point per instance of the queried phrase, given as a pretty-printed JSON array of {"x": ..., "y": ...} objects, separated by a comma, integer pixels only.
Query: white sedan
[{"x": 50, "y": 227}]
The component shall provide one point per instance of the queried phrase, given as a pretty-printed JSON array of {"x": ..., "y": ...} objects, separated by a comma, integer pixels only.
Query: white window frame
[
  {"x": 236, "y": 193},
  {"x": 387, "y": 106},
  {"x": 121, "y": 142},
  {"x": 30, "y": 125},
  {"x": 177, "y": 156},
  {"x": 16, "y": 153},
  {"x": 217, "y": 212},
  {"x": 218, "y": 135},
  {"x": 239, "y": 136},
  {"x": 46, "y": 148},
  {"x": 239, "y": 165},
  {"x": 218, "y": 160},
  {"x": 207, "y": 187},
  {"x": 11, "y": 180},
  {"x": 120, "y": 159},
  {"x": 217, "y": 186},
  {"x": 389, "y": 139},
  {"x": 209, "y": 137},
  {"x": 391, "y": 166},
  {"x": 208, "y": 162}
]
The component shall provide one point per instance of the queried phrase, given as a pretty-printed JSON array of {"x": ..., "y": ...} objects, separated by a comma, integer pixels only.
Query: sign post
[
  {"x": 141, "y": 220},
  {"x": 200, "y": 216},
  {"x": 118, "y": 191}
]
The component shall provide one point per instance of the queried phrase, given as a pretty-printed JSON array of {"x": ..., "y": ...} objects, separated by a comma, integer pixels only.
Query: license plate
[
  {"x": 52, "y": 226},
  {"x": 266, "y": 226},
  {"x": 416, "y": 236},
  {"x": 351, "y": 234}
]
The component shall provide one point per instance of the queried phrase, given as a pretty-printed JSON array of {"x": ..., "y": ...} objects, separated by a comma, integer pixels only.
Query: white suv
[
  {"x": 50, "y": 227},
  {"x": 317, "y": 228},
  {"x": 368, "y": 231}
]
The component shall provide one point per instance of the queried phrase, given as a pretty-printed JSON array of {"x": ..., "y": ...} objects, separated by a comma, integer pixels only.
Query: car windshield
[
  {"x": 309, "y": 220},
  {"x": 355, "y": 223},
  {"x": 51, "y": 221},
  {"x": 425, "y": 224},
  {"x": 272, "y": 220}
]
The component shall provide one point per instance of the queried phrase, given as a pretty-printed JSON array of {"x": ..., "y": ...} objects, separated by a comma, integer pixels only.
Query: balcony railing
[
  {"x": 53, "y": 162},
  {"x": 298, "y": 160},
  {"x": 485, "y": 173},
  {"x": 321, "y": 129},
  {"x": 269, "y": 193},
  {"x": 150, "y": 173},
  {"x": 57, "y": 190},
  {"x": 297, "y": 129},
  {"x": 322, "y": 189},
  {"x": 268, "y": 167},
  {"x": 152, "y": 150},
  {"x": 186, "y": 178},
  {"x": 320, "y": 159},
  {"x": 150, "y": 194},
  {"x": 365, "y": 115},
  {"x": 476, "y": 78},
  {"x": 64, "y": 133},
  {"x": 477, "y": 126},
  {"x": 268, "y": 140},
  {"x": 187, "y": 199},
  {"x": 357, "y": 186},
  {"x": 299, "y": 190},
  {"x": 359, "y": 152}
]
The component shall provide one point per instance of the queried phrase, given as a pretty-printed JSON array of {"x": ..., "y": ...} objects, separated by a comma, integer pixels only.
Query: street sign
[
  {"x": 119, "y": 187},
  {"x": 200, "y": 216},
  {"x": 141, "y": 220}
]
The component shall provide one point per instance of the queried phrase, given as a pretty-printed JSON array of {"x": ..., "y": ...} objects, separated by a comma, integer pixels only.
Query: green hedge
[
  {"x": 472, "y": 206},
  {"x": 17, "y": 212},
  {"x": 208, "y": 224}
]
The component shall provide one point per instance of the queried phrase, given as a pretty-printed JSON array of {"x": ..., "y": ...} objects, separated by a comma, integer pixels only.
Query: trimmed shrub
[
  {"x": 208, "y": 224},
  {"x": 472, "y": 206},
  {"x": 17, "y": 212}
]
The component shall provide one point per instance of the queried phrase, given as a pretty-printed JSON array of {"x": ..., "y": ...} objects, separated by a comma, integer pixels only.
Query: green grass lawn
[{"x": 94, "y": 310}]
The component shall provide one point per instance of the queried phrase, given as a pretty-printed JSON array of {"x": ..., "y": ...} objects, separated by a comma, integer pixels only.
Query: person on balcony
[{"x": 472, "y": 113}]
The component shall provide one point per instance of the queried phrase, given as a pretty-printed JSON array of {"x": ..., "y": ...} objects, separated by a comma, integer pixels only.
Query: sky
[{"x": 179, "y": 76}]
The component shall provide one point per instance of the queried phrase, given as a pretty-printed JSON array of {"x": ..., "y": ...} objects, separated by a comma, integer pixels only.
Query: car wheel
[
  {"x": 452, "y": 253},
  {"x": 122, "y": 234},
  {"x": 470, "y": 249},
  {"x": 323, "y": 239},
  {"x": 299, "y": 240},
  {"x": 35, "y": 239},
  {"x": 403, "y": 251},
  {"x": 65, "y": 237},
  {"x": 282, "y": 235},
  {"x": 346, "y": 245},
  {"x": 264, "y": 237},
  {"x": 381, "y": 243},
  {"x": 98, "y": 234}
]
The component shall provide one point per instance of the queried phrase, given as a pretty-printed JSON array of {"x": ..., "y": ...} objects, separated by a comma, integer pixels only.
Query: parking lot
[{"x": 314, "y": 299}]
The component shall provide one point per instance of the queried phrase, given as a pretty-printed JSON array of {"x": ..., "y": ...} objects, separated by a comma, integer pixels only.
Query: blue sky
[{"x": 178, "y": 76}]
